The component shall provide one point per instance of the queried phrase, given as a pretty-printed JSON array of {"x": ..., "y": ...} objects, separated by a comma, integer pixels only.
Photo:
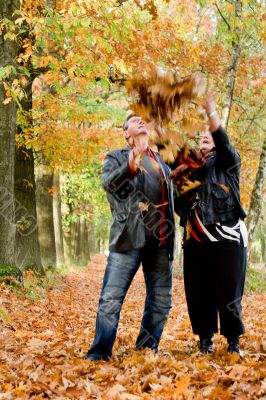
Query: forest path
[{"x": 43, "y": 348}]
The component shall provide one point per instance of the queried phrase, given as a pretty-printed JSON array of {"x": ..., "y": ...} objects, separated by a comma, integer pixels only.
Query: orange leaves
[
  {"x": 36, "y": 345},
  {"x": 160, "y": 97},
  {"x": 169, "y": 154},
  {"x": 193, "y": 121},
  {"x": 7, "y": 100},
  {"x": 224, "y": 187},
  {"x": 189, "y": 185},
  {"x": 182, "y": 386},
  {"x": 161, "y": 93},
  {"x": 149, "y": 6},
  {"x": 43, "y": 353},
  {"x": 53, "y": 190},
  {"x": 187, "y": 161}
]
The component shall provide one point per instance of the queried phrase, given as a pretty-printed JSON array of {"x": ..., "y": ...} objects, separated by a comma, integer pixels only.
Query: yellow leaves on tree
[{"x": 149, "y": 6}]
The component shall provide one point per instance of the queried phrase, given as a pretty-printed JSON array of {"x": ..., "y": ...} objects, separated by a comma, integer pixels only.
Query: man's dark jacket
[
  {"x": 218, "y": 196},
  {"x": 124, "y": 193}
]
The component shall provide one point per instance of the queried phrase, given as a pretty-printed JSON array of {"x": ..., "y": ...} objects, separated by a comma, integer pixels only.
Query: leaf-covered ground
[{"x": 43, "y": 347}]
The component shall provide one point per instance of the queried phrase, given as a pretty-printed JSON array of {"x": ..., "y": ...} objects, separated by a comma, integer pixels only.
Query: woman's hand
[{"x": 209, "y": 105}]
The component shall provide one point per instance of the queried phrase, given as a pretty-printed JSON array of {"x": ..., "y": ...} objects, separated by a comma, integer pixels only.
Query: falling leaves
[
  {"x": 163, "y": 99},
  {"x": 189, "y": 185},
  {"x": 187, "y": 161},
  {"x": 145, "y": 206},
  {"x": 225, "y": 188},
  {"x": 161, "y": 93}
]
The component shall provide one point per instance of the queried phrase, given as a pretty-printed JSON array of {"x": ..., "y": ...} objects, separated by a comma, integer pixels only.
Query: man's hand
[{"x": 139, "y": 145}]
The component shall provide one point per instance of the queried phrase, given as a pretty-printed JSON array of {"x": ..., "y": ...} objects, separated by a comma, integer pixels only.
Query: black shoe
[
  {"x": 206, "y": 345},
  {"x": 96, "y": 357},
  {"x": 233, "y": 346}
]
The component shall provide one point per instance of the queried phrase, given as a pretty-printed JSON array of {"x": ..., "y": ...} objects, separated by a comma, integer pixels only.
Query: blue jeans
[{"x": 120, "y": 271}]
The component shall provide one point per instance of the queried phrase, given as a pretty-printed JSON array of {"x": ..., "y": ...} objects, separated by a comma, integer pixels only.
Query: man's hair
[{"x": 125, "y": 124}]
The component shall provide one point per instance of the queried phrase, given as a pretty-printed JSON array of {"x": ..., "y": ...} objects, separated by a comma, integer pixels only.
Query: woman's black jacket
[{"x": 217, "y": 202}]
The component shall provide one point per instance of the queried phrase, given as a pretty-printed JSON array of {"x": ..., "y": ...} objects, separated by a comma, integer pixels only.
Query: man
[{"x": 142, "y": 231}]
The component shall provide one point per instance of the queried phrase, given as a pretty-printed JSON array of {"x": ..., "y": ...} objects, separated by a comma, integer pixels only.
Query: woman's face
[{"x": 206, "y": 142}]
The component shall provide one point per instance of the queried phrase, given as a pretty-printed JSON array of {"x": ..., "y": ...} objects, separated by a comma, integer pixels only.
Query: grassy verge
[
  {"x": 255, "y": 280},
  {"x": 32, "y": 285}
]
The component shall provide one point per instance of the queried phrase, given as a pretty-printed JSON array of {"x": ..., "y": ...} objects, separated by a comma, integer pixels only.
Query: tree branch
[
  {"x": 120, "y": 3},
  {"x": 252, "y": 120},
  {"x": 200, "y": 20},
  {"x": 224, "y": 19}
]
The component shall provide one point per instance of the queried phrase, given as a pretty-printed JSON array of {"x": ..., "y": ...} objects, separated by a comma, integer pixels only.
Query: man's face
[
  {"x": 206, "y": 142},
  {"x": 136, "y": 127}
]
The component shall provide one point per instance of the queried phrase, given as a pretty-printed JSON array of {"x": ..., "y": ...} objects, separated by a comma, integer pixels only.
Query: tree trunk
[
  {"x": 263, "y": 247},
  {"x": 84, "y": 242},
  {"x": 91, "y": 238},
  {"x": 44, "y": 182},
  {"x": 75, "y": 241},
  {"x": 236, "y": 50},
  {"x": 67, "y": 228},
  {"x": 8, "y": 116},
  {"x": 27, "y": 244},
  {"x": 68, "y": 254},
  {"x": 58, "y": 230},
  {"x": 256, "y": 202},
  {"x": 178, "y": 249}
]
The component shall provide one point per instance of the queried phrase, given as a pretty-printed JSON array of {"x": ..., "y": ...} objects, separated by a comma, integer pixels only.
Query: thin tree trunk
[
  {"x": 27, "y": 244},
  {"x": 84, "y": 250},
  {"x": 256, "y": 202},
  {"x": 263, "y": 247},
  {"x": 58, "y": 230},
  {"x": 91, "y": 238},
  {"x": 67, "y": 228},
  {"x": 75, "y": 241},
  {"x": 8, "y": 116},
  {"x": 179, "y": 250},
  {"x": 44, "y": 182},
  {"x": 67, "y": 246},
  {"x": 236, "y": 50}
]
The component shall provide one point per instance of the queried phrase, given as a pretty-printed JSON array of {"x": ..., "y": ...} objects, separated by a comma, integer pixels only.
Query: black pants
[{"x": 214, "y": 275}]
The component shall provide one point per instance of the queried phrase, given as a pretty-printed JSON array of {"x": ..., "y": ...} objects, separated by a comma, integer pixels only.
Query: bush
[{"x": 12, "y": 272}]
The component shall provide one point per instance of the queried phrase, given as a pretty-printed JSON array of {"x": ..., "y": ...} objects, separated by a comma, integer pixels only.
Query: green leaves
[
  {"x": 4, "y": 316},
  {"x": 10, "y": 36},
  {"x": 6, "y": 72},
  {"x": 86, "y": 196}
]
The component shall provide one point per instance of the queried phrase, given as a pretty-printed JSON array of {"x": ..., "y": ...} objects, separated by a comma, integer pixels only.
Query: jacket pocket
[
  {"x": 222, "y": 201},
  {"x": 117, "y": 228}
]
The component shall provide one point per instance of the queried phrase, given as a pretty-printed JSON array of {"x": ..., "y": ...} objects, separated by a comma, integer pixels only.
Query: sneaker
[
  {"x": 233, "y": 346},
  {"x": 206, "y": 345}
]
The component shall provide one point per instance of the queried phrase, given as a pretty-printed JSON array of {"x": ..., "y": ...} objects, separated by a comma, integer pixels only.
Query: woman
[{"x": 215, "y": 238}]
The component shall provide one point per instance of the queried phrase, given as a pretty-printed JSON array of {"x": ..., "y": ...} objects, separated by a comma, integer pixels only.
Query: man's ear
[{"x": 126, "y": 135}]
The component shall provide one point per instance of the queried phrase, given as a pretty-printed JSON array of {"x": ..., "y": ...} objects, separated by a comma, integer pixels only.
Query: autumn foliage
[{"x": 79, "y": 53}]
